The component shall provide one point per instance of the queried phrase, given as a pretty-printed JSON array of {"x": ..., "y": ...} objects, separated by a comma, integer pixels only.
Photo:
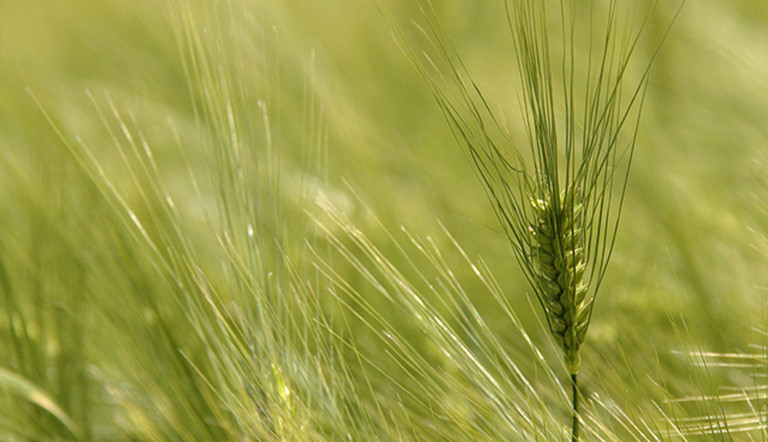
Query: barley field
[{"x": 383, "y": 220}]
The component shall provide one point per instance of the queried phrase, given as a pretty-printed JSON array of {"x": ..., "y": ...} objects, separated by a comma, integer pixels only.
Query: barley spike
[{"x": 558, "y": 248}]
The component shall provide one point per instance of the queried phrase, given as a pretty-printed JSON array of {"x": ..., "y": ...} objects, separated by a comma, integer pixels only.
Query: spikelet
[{"x": 559, "y": 265}]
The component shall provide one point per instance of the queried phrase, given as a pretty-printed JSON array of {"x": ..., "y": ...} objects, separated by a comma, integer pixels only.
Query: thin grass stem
[{"x": 575, "y": 425}]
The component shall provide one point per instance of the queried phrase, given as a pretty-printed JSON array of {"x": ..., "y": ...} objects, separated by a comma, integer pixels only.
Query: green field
[{"x": 251, "y": 220}]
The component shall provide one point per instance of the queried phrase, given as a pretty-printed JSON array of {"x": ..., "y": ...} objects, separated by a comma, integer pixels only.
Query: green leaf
[{"x": 19, "y": 385}]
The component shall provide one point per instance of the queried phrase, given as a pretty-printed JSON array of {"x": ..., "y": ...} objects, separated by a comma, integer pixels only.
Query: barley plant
[
  {"x": 247, "y": 220},
  {"x": 560, "y": 201}
]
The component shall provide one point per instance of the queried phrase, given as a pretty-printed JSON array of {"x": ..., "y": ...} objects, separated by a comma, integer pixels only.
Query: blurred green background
[{"x": 688, "y": 270}]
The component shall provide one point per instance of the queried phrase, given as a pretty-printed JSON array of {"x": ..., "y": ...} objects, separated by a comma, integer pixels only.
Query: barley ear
[{"x": 558, "y": 237}]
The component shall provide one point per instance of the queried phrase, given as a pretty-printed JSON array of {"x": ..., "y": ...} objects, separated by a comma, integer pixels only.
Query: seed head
[{"x": 558, "y": 267}]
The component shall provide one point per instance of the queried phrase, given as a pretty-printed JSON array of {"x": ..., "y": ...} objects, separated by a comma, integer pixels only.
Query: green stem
[{"x": 575, "y": 426}]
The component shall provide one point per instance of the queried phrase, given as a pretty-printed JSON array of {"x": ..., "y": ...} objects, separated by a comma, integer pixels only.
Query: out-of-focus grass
[{"x": 91, "y": 319}]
